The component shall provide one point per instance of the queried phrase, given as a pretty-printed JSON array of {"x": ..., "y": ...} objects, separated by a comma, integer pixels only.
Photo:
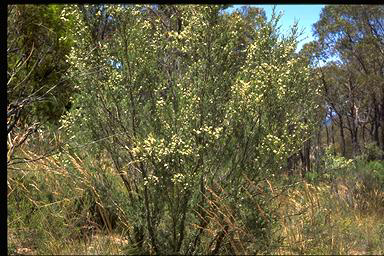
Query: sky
[{"x": 305, "y": 14}]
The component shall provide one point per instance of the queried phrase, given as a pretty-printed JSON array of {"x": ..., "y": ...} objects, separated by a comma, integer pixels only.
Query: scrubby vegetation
[
  {"x": 191, "y": 130},
  {"x": 56, "y": 211}
]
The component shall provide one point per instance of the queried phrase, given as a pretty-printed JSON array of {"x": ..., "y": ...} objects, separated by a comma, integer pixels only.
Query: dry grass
[
  {"x": 37, "y": 189},
  {"x": 319, "y": 220},
  {"x": 97, "y": 244},
  {"x": 344, "y": 217}
]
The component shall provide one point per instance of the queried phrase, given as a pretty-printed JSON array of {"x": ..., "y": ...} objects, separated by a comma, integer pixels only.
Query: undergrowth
[{"x": 81, "y": 208}]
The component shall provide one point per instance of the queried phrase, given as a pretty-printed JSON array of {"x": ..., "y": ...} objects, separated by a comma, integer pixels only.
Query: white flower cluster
[{"x": 151, "y": 180}]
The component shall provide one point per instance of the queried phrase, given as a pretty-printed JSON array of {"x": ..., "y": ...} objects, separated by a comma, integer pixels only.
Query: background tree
[{"x": 354, "y": 34}]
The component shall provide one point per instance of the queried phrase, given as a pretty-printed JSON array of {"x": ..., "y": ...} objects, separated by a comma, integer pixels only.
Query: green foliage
[
  {"x": 260, "y": 218},
  {"x": 371, "y": 151},
  {"x": 336, "y": 163},
  {"x": 375, "y": 169},
  {"x": 370, "y": 183},
  {"x": 36, "y": 50},
  {"x": 198, "y": 98},
  {"x": 181, "y": 116},
  {"x": 180, "y": 123},
  {"x": 313, "y": 176}
]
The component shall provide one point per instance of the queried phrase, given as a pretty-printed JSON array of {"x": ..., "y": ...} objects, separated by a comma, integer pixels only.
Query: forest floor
[{"x": 342, "y": 215}]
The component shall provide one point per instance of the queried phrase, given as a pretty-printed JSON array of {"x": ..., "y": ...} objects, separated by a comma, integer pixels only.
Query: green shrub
[
  {"x": 372, "y": 151},
  {"x": 316, "y": 177},
  {"x": 336, "y": 162}
]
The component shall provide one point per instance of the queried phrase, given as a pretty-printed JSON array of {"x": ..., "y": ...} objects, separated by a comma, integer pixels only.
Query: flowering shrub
[{"x": 198, "y": 98}]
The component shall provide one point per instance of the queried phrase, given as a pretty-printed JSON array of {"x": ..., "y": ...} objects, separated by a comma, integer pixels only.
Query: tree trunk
[
  {"x": 376, "y": 122},
  {"x": 382, "y": 120},
  {"x": 355, "y": 142},
  {"x": 327, "y": 132},
  {"x": 354, "y": 130},
  {"x": 333, "y": 139},
  {"x": 342, "y": 137},
  {"x": 290, "y": 166},
  {"x": 318, "y": 151},
  {"x": 305, "y": 157}
]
